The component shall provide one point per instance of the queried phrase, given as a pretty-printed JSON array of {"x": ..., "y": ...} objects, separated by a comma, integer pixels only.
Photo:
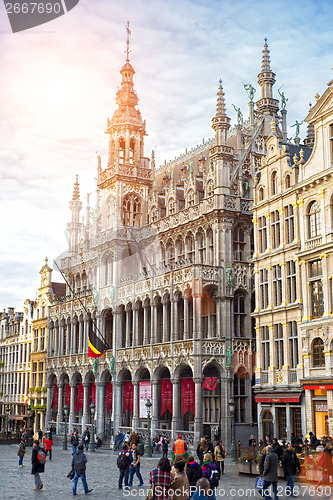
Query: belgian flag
[{"x": 96, "y": 346}]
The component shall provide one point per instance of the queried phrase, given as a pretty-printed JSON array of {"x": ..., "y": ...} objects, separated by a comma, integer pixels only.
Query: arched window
[
  {"x": 210, "y": 247},
  {"x": 131, "y": 210},
  {"x": 172, "y": 206},
  {"x": 287, "y": 181},
  {"x": 314, "y": 219},
  {"x": 190, "y": 248},
  {"x": 274, "y": 183},
  {"x": 190, "y": 198},
  {"x": 318, "y": 358},
  {"x": 131, "y": 151},
  {"x": 201, "y": 247},
  {"x": 109, "y": 328},
  {"x": 210, "y": 189},
  {"x": 180, "y": 253},
  {"x": 238, "y": 243},
  {"x": 239, "y": 315},
  {"x": 121, "y": 151},
  {"x": 153, "y": 214},
  {"x": 170, "y": 252},
  {"x": 267, "y": 424},
  {"x": 261, "y": 194}
]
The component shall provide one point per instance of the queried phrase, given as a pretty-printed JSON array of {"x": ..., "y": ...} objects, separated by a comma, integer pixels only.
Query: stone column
[
  {"x": 74, "y": 326},
  {"x": 48, "y": 416},
  {"x": 135, "y": 325},
  {"x": 68, "y": 338},
  {"x": 56, "y": 340},
  {"x": 50, "y": 331},
  {"x": 61, "y": 339},
  {"x": 85, "y": 416},
  {"x": 154, "y": 408},
  {"x": 128, "y": 327},
  {"x": 72, "y": 408},
  {"x": 186, "y": 319},
  {"x": 135, "y": 420},
  {"x": 175, "y": 407},
  {"x": 271, "y": 368},
  {"x": 285, "y": 367},
  {"x": 326, "y": 287},
  {"x": 153, "y": 323},
  {"x": 165, "y": 321},
  {"x": 100, "y": 417},
  {"x": 174, "y": 334},
  {"x": 81, "y": 329},
  {"x": 198, "y": 411},
  {"x": 117, "y": 404},
  {"x": 85, "y": 333},
  {"x": 60, "y": 408},
  {"x": 145, "y": 325}
]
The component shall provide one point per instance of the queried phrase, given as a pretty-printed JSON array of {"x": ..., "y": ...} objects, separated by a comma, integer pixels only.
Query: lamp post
[
  {"x": 233, "y": 437},
  {"x": 92, "y": 439},
  {"x": 64, "y": 442},
  {"x": 148, "y": 441},
  {"x": 7, "y": 418},
  {"x": 29, "y": 412}
]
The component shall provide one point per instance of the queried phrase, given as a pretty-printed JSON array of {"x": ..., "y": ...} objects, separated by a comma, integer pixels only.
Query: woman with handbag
[{"x": 160, "y": 480}]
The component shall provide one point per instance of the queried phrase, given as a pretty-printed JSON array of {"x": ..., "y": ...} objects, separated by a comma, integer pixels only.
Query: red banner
[
  {"x": 108, "y": 397},
  {"x": 166, "y": 395},
  {"x": 188, "y": 396},
  {"x": 68, "y": 395},
  {"x": 128, "y": 396},
  {"x": 55, "y": 396},
  {"x": 93, "y": 393},
  {"x": 210, "y": 383},
  {"x": 79, "y": 397}
]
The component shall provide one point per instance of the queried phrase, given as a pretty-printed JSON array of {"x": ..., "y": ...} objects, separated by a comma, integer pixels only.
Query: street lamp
[
  {"x": 233, "y": 437},
  {"x": 7, "y": 418},
  {"x": 64, "y": 442},
  {"x": 148, "y": 404},
  {"x": 29, "y": 412},
  {"x": 92, "y": 440}
]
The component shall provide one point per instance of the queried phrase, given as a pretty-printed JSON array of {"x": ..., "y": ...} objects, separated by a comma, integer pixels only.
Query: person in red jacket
[{"x": 48, "y": 445}]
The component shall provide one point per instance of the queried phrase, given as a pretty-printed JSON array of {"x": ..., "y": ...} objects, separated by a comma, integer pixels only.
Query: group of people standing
[{"x": 184, "y": 479}]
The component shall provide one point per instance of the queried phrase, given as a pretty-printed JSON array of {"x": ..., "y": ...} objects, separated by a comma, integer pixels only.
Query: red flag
[
  {"x": 79, "y": 397},
  {"x": 93, "y": 393},
  {"x": 210, "y": 383},
  {"x": 128, "y": 396},
  {"x": 55, "y": 396},
  {"x": 166, "y": 395},
  {"x": 188, "y": 396},
  {"x": 68, "y": 395},
  {"x": 108, "y": 397}
]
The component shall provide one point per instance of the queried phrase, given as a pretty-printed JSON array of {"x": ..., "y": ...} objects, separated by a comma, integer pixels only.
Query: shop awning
[
  {"x": 318, "y": 386},
  {"x": 278, "y": 398}
]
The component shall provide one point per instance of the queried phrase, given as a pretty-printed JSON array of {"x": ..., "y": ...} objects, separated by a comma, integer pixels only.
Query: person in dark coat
[
  {"x": 165, "y": 443},
  {"x": 74, "y": 442},
  {"x": 291, "y": 465},
  {"x": 40, "y": 434},
  {"x": 193, "y": 471},
  {"x": 124, "y": 471},
  {"x": 79, "y": 465},
  {"x": 202, "y": 449},
  {"x": 21, "y": 452},
  {"x": 37, "y": 466},
  {"x": 262, "y": 461},
  {"x": 86, "y": 438},
  {"x": 270, "y": 473},
  {"x": 277, "y": 448}
]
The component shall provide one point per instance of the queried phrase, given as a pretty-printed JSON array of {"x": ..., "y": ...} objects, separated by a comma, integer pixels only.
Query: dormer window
[
  {"x": 274, "y": 183},
  {"x": 287, "y": 181}
]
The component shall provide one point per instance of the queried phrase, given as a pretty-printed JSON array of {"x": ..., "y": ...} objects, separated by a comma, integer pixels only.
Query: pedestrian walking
[
  {"x": 127, "y": 437},
  {"x": 135, "y": 466},
  {"x": 210, "y": 471},
  {"x": 160, "y": 479},
  {"x": 38, "y": 459},
  {"x": 291, "y": 465},
  {"x": 40, "y": 434},
  {"x": 74, "y": 442},
  {"x": 193, "y": 471},
  {"x": 179, "y": 447},
  {"x": 48, "y": 445},
  {"x": 21, "y": 452},
  {"x": 277, "y": 448},
  {"x": 133, "y": 439},
  {"x": 123, "y": 462},
  {"x": 79, "y": 465},
  {"x": 180, "y": 486},
  {"x": 202, "y": 449},
  {"x": 165, "y": 447},
  {"x": 270, "y": 473},
  {"x": 220, "y": 455},
  {"x": 86, "y": 439},
  {"x": 325, "y": 460}
]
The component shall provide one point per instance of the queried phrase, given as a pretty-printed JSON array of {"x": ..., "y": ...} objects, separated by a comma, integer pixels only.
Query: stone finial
[
  {"x": 317, "y": 97},
  {"x": 265, "y": 66},
  {"x": 76, "y": 192},
  {"x": 273, "y": 127},
  {"x": 220, "y": 105},
  {"x": 295, "y": 159}
]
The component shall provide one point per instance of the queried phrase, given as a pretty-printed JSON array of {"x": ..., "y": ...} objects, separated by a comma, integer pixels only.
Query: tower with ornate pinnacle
[
  {"x": 74, "y": 226},
  {"x": 220, "y": 154},
  {"x": 127, "y": 177}
]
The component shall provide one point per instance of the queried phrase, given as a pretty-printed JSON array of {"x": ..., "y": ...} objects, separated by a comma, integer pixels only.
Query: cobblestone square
[{"x": 102, "y": 476}]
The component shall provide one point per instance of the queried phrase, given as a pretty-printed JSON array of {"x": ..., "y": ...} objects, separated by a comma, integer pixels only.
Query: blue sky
[{"x": 58, "y": 85}]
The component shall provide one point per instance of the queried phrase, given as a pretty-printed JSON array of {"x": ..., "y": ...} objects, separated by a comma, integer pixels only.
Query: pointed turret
[
  {"x": 310, "y": 136},
  {"x": 73, "y": 227},
  {"x": 221, "y": 122},
  {"x": 268, "y": 106}
]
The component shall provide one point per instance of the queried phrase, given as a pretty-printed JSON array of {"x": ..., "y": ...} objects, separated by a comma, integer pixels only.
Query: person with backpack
[
  {"x": 48, "y": 445},
  {"x": 135, "y": 466},
  {"x": 220, "y": 455},
  {"x": 123, "y": 462},
  {"x": 74, "y": 442},
  {"x": 210, "y": 472},
  {"x": 79, "y": 465},
  {"x": 38, "y": 459},
  {"x": 21, "y": 452},
  {"x": 193, "y": 471}
]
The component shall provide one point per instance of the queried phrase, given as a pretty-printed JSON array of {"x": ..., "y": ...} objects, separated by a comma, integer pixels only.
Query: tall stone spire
[
  {"x": 221, "y": 122},
  {"x": 268, "y": 106},
  {"x": 310, "y": 136},
  {"x": 73, "y": 227},
  {"x": 266, "y": 63}
]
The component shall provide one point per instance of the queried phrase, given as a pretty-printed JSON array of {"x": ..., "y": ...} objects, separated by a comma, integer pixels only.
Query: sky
[{"x": 58, "y": 83}]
